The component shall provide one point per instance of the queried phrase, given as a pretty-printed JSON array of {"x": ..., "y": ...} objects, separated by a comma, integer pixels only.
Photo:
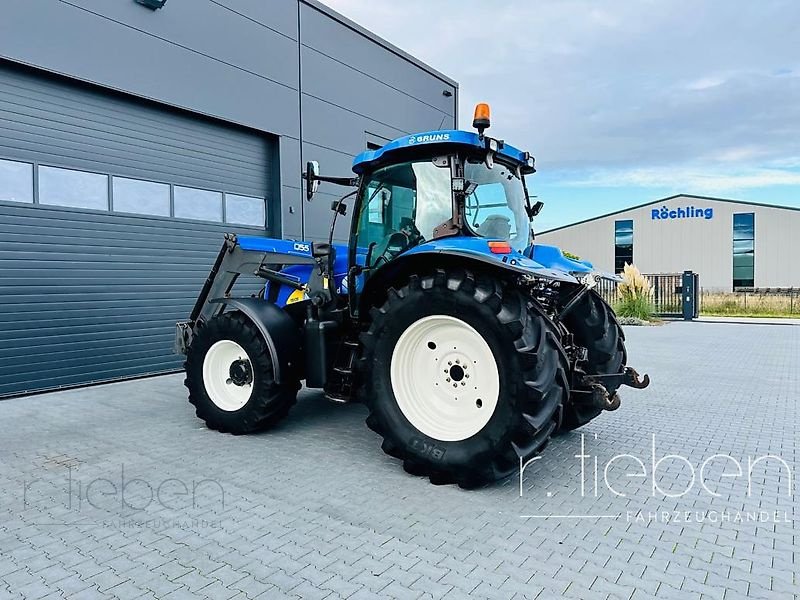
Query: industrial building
[
  {"x": 133, "y": 133},
  {"x": 731, "y": 244}
]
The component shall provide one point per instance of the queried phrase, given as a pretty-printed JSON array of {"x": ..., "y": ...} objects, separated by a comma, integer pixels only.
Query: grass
[
  {"x": 750, "y": 304},
  {"x": 637, "y": 307},
  {"x": 634, "y": 296}
]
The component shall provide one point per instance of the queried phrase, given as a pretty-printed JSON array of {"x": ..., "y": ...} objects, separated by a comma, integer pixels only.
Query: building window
[
  {"x": 744, "y": 246},
  {"x": 141, "y": 197},
  {"x": 16, "y": 181},
  {"x": 79, "y": 189},
  {"x": 623, "y": 244},
  {"x": 204, "y": 205},
  {"x": 245, "y": 210}
]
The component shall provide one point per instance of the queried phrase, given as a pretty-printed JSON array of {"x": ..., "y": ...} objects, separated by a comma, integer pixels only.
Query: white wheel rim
[
  {"x": 445, "y": 378},
  {"x": 225, "y": 393}
]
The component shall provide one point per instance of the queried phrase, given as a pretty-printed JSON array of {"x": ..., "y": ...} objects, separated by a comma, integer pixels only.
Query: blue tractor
[{"x": 470, "y": 344}]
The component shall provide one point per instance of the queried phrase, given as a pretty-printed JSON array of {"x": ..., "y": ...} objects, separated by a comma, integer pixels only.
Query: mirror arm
[
  {"x": 312, "y": 178},
  {"x": 347, "y": 181},
  {"x": 532, "y": 209}
]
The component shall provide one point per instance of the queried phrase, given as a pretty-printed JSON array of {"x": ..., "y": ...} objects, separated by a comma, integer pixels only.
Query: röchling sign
[{"x": 690, "y": 212}]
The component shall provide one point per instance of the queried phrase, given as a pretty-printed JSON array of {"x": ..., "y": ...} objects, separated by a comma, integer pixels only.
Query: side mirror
[
  {"x": 535, "y": 209},
  {"x": 311, "y": 177}
]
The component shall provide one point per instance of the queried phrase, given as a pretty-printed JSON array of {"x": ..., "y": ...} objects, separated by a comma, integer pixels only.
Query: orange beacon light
[{"x": 481, "y": 119}]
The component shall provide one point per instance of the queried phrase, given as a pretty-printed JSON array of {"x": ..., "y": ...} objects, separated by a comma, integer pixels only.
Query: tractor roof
[{"x": 431, "y": 143}]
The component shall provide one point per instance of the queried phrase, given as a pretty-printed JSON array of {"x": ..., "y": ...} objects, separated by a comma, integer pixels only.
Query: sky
[{"x": 621, "y": 102}]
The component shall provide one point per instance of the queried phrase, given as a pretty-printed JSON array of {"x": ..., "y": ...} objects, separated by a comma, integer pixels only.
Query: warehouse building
[
  {"x": 133, "y": 133},
  {"x": 731, "y": 244}
]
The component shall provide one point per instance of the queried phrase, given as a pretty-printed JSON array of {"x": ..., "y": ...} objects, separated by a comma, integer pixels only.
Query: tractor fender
[
  {"x": 419, "y": 260},
  {"x": 280, "y": 333}
]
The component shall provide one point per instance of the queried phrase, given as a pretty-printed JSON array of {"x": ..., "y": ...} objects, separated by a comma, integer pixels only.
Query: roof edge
[
  {"x": 440, "y": 138},
  {"x": 659, "y": 200},
  {"x": 316, "y": 4}
]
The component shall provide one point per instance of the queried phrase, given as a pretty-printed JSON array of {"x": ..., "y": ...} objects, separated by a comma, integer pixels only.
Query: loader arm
[
  {"x": 254, "y": 256},
  {"x": 238, "y": 257}
]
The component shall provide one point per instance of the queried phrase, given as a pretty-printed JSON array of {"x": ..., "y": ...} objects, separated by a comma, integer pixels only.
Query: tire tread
[
  {"x": 263, "y": 410},
  {"x": 538, "y": 394}
]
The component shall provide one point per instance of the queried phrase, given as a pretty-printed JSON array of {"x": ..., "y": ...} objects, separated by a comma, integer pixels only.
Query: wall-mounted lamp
[
  {"x": 447, "y": 93},
  {"x": 154, "y": 4}
]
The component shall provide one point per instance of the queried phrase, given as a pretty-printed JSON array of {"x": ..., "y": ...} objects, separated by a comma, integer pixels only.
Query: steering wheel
[{"x": 385, "y": 250}]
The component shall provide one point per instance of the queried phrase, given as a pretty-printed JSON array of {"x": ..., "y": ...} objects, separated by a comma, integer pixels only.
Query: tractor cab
[
  {"x": 419, "y": 192},
  {"x": 428, "y": 186},
  {"x": 437, "y": 193}
]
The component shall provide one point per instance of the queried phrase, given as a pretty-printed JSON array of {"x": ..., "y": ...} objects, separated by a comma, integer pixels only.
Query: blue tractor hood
[
  {"x": 554, "y": 258},
  {"x": 447, "y": 140}
]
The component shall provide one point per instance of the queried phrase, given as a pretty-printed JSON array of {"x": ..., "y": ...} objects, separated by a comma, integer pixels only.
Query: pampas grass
[{"x": 634, "y": 295}]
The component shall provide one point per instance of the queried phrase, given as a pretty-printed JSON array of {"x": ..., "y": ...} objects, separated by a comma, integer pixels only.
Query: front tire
[
  {"x": 464, "y": 378},
  {"x": 230, "y": 377},
  {"x": 594, "y": 326}
]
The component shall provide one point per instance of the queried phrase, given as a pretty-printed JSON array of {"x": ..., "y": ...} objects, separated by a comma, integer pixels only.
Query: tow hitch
[{"x": 598, "y": 386}]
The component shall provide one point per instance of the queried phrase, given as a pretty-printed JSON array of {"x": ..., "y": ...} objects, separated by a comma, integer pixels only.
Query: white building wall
[
  {"x": 777, "y": 248},
  {"x": 592, "y": 241},
  {"x": 702, "y": 245}
]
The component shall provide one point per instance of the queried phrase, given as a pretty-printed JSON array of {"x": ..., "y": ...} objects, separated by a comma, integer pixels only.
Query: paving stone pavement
[{"x": 119, "y": 491}]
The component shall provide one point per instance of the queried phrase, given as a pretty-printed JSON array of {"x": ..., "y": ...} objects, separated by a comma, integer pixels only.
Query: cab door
[{"x": 398, "y": 208}]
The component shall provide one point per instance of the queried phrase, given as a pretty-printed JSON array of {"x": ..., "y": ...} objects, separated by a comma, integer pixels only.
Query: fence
[
  {"x": 752, "y": 301},
  {"x": 667, "y": 297},
  {"x": 667, "y": 292}
]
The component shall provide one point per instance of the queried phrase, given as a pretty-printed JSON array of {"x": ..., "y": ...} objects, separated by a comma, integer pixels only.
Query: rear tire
[
  {"x": 432, "y": 333},
  {"x": 230, "y": 377},
  {"x": 594, "y": 326}
]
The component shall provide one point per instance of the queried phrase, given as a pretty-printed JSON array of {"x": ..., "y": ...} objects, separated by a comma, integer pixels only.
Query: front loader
[{"x": 470, "y": 344}]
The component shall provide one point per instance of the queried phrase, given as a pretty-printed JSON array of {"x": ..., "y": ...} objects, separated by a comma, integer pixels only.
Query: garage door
[{"x": 111, "y": 212}]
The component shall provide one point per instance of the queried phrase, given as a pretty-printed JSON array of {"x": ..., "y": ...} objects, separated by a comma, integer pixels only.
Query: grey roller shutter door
[
  {"x": 48, "y": 120},
  {"x": 91, "y": 295}
]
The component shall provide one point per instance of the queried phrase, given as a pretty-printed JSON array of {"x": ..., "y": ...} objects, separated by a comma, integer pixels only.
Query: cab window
[
  {"x": 400, "y": 207},
  {"x": 496, "y": 208}
]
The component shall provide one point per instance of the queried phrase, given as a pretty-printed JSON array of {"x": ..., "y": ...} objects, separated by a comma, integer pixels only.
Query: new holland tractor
[{"x": 469, "y": 343}]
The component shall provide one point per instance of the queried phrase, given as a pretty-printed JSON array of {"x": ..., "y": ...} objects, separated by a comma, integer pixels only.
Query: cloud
[
  {"x": 709, "y": 180},
  {"x": 637, "y": 86},
  {"x": 705, "y": 83},
  {"x": 738, "y": 154}
]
